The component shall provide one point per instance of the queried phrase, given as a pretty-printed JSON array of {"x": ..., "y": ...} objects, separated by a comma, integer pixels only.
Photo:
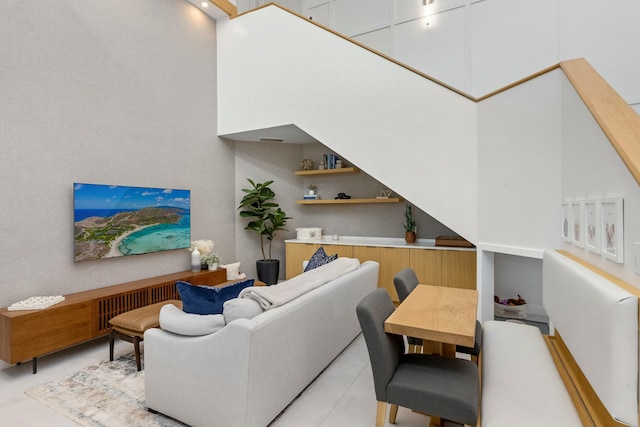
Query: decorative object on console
[
  {"x": 106, "y": 225},
  {"x": 212, "y": 260},
  {"x": 409, "y": 225},
  {"x": 208, "y": 299},
  {"x": 205, "y": 247},
  {"x": 306, "y": 233},
  {"x": 266, "y": 219},
  {"x": 36, "y": 303},
  {"x": 319, "y": 258},
  {"x": 196, "y": 262},
  {"x": 233, "y": 271}
]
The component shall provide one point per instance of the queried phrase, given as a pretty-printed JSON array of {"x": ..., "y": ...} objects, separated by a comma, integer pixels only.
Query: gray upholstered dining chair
[
  {"x": 436, "y": 385},
  {"x": 405, "y": 281}
]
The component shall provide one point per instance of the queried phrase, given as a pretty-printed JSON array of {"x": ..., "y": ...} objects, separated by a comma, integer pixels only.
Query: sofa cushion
[
  {"x": 208, "y": 299},
  {"x": 319, "y": 258},
  {"x": 240, "y": 308},
  {"x": 172, "y": 319}
]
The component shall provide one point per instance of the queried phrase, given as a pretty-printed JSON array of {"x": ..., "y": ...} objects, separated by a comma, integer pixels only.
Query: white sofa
[{"x": 245, "y": 374}]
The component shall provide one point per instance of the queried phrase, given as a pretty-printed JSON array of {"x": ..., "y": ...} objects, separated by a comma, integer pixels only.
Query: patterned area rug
[{"x": 110, "y": 394}]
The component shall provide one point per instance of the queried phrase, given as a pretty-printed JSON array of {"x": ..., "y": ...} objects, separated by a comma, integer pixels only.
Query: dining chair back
[
  {"x": 406, "y": 281},
  {"x": 436, "y": 385}
]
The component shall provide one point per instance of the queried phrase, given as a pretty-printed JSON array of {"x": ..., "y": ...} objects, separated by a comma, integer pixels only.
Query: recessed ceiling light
[{"x": 205, "y": 4}]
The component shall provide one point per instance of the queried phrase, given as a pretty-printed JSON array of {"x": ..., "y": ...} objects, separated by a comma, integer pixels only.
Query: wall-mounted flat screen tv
[{"x": 114, "y": 220}]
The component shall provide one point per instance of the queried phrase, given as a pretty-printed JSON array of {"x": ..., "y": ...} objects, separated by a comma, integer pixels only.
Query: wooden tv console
[{"x": 84, "y": 316}]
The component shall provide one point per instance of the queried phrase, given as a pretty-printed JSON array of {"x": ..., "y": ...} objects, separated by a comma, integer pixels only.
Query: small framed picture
[
  {"x": 577, "y": 223},
  {"x": 592, "y": 225},
  {"x": 566, "y": 221},
  {"x": 611, "y": 232}
]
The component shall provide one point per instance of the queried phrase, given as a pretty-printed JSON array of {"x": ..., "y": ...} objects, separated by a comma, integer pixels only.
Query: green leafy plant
[
  {"x": 266, "y": 216},
  {"x": 210, "y": 258},
  {"x": 409, "y": 224}
]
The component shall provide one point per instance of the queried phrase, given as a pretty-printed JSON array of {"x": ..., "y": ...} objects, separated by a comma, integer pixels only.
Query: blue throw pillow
[
  {"x": 319, "y": 258},
  {"x": 208, "y": 299}
]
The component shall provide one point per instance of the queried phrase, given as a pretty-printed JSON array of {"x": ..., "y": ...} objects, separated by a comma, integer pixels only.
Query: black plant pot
[{"x": 268, "y": 270}]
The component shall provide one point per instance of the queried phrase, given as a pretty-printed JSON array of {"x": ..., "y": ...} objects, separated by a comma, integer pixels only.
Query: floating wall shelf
[
  {"x": 328, "y": 171},
  {"x": 348, "y": 201}
]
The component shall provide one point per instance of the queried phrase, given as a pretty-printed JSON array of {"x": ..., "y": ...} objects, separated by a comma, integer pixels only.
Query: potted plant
[
  {"x": 409, "y": 225},
  {"x": 266, "y": 219},
  {"x": 212, "y": 260}
]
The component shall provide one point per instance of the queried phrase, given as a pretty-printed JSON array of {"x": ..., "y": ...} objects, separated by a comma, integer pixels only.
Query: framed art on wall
[
  {"x": 566, "y": 221},
  {"x": 592, "y": 225},
  {"x": 577, "y": 219},
  {"x": 612, "y": 228}
]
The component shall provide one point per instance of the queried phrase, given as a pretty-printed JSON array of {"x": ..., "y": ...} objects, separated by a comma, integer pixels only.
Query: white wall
[
  {"x": 479, "y": 46},
  {"x": 262, "y": 161},
  {"x": 367, "y": 109},
  {"x": 519, "y": 158},
  {"x": 116, "y": 92},
  {"x": 592, "y": 169}
]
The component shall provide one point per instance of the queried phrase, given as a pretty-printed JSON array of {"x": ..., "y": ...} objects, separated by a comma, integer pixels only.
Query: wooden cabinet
[
  {"x": 83, "y": 316},
  {"x": 459, "y": 269},
  {"x": 393, "y": 260},
  {"x": 428, "y": 266},
  {"x": 439, "y": 267},
  {"x": 296, "y": 253}
]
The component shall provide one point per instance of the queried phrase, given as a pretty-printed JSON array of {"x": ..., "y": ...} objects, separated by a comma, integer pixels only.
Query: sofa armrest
[{"x": 190, "y": 379}]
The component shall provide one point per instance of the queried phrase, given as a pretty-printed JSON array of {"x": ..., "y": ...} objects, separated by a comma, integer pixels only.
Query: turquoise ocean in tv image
[{"x": 158, "y": 238}]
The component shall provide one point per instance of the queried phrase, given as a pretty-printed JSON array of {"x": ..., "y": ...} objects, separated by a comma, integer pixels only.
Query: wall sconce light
[{"x": 206, "y": 3}]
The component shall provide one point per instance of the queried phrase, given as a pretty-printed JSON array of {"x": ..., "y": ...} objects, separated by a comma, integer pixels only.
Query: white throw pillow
[
  {"x": 172, "y": 319},
  {"x": 241, "y": 308},
  {"x": 233, "y": 271}
]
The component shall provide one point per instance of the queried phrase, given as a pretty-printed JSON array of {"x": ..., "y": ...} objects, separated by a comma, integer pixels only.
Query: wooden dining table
[{"x": 442, "y": 316}]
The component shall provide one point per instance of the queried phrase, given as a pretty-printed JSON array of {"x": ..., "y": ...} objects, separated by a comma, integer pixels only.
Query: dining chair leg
[
  {"x": 381, "y": 413},
  {"x": 393, "y": 413}
]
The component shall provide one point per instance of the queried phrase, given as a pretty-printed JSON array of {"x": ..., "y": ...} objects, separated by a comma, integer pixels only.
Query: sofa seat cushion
[
  {"x": 208, "y": 299},
  {"x": 172, "y": 319},
  {"x": 520, "y": 382}
]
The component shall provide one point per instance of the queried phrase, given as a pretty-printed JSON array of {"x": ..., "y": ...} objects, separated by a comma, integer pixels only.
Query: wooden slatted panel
[
  {"x": 111, "y": 306},
  {"x": 163, "y": 292}
]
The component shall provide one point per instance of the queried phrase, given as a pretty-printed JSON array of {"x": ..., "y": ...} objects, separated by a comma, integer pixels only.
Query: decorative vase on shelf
[
  {"x": 410, "y": 236},
  {"x": 213, "y": 266}
]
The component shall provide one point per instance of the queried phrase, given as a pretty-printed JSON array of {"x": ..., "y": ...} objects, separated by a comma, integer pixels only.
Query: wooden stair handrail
[
  {"x": 226, "y": 6},
  {"x": 619, "y": 122}
]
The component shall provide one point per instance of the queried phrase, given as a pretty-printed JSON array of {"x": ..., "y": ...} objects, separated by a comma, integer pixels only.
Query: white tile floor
[{"x": 341, "y": 396}]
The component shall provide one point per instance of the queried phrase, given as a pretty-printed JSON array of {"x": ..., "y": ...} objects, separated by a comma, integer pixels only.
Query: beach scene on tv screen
[{"x": 112, "y": 220}]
